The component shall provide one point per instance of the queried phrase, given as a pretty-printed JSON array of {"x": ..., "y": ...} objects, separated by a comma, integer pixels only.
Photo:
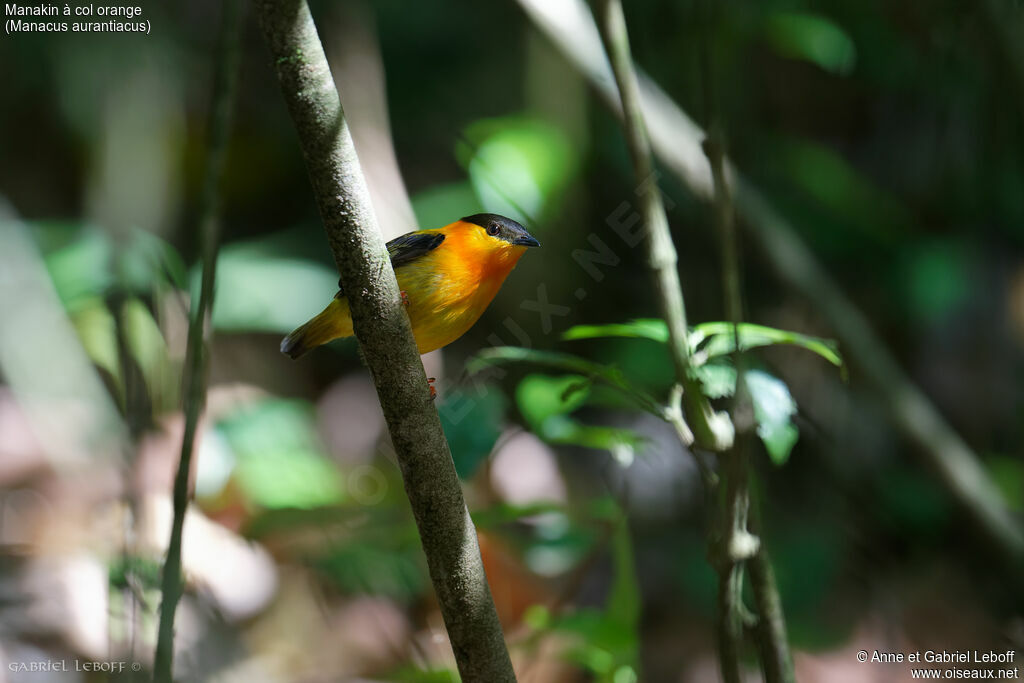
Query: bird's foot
[
  {"x": 430, "y": 385},
  {"x": 405, "y": 298}
]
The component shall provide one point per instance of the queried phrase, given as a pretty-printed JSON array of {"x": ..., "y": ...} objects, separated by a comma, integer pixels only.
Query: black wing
[{"x": 406, "y": 249}]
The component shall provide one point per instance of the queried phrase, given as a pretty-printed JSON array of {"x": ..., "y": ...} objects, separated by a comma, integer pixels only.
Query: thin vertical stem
[{"x": 196, "y": 355}]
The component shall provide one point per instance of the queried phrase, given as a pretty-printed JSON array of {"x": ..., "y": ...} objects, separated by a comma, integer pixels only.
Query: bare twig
[
  {"x": 196, "y": 355},
  {"x": 382, "y": 328},
  {"x": 712, "y": 430},
  {"x": 676, "y": 140}
]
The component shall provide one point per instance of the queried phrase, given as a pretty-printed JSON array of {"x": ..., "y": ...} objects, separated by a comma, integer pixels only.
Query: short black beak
[{"x": 525, "y": 240}]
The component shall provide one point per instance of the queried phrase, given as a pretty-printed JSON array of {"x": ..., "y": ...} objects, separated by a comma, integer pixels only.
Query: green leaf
[
  {"x": 546, "y": 401},
  {"x": 260, "y": 292},
  {"x": 812, "y": 38},
  {"x": 641, "y": 328},
  {"x": 718, "y": 337},
  {"x": 774, "y": 408},
  {"x": 519, "y": 166},
  {"x": 505, "y": 513},
  {"x": 146, "y": 344},
  {"x": 720, "y": 340},
  {"x": 79, "y": 263},
  {"x": 97, "y": 330},
  {"x": 540, "y": 397},
  {"x": 717, "y": 380},
  {"x": 564, "y": 362}
]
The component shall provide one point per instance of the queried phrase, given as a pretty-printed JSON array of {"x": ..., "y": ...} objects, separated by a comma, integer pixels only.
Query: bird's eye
[{"x": 492, "y": 229}]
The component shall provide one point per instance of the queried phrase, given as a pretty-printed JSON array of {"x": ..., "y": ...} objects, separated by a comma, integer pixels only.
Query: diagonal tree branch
[{"x": 382, "y": 328}]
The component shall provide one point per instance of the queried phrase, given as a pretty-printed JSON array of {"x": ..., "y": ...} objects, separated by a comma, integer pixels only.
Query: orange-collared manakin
[{"x": 447, "y": 276}]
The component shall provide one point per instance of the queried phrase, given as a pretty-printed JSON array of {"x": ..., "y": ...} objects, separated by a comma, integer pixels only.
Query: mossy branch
[{"x": 385, "y": 337}]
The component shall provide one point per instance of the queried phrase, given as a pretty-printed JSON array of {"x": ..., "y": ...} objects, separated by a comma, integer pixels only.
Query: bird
[{"x": 447, "y": 277}]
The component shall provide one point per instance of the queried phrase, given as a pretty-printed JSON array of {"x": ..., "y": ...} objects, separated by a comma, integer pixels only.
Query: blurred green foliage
[{"x": 279, "y": 460}]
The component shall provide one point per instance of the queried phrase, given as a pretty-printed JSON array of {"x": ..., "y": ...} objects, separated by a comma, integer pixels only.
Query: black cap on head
[{"x": 503, "y": 228}]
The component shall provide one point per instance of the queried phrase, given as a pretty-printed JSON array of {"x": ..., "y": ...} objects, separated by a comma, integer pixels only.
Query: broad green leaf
[
  {"x": 260, "y": 292},
  {"x": 812, "y": 38},
  {"x": 774, "y": 408},
  {"x": 519, "y": 166}
]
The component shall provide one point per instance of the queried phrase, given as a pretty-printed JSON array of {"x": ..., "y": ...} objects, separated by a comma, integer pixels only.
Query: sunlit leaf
[
  {"x": 519, "y": 166},
  {"x": 80, "y": 266},
  {"x": 718, "y": 339},
  {"x": 642, "y": 328},
  {"x": 97, "y": 330},
  {"x": 540, "y": 397},
  {"x": 260, "y": 292},
  {"x": 546, "y": 402},
  {"x": 774, "y": 408},
  {"x": 812, "y": 38},
  {"x": 146, "y": 344},
  {"x": 717, "y": 380}
]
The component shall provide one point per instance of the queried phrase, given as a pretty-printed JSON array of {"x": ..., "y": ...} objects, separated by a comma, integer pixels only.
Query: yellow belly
[{"x": 440, "y": 312}]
